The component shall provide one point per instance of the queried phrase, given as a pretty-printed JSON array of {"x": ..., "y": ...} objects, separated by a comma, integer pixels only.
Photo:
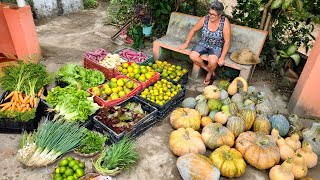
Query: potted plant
[{"x": 144, "y": 14}]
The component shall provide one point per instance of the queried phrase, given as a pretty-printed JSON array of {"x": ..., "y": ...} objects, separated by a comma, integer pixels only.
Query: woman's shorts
[{"x": 203, "y": 50}]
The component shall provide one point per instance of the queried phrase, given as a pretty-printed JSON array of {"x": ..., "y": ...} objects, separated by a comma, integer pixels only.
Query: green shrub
[{"x": 90, "y": 4}]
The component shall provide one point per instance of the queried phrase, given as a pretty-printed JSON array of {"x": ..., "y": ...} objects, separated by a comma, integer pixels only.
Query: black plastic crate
[
  {"x": 50, "y": 115},
  {"x": 10, "y": 125},
  {"x": 180, "y": 96},
  {"x": 60, "y": 83},
  {"x": 163, "y": 111},
  {"x": 137, "y": 130},
  {"x": 183, "y": 79}
]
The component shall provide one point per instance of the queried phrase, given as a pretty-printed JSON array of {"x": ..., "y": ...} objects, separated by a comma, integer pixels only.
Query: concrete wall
[{"x": 46, "y": 8}]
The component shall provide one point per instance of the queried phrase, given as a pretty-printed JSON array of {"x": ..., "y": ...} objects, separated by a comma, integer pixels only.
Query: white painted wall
[{"x": 46, "y": 8}]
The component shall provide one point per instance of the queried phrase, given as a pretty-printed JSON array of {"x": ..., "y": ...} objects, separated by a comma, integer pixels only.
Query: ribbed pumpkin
[
  {"x": 189, "y": 102},
  {"x": 184, "y": 141},
  {"x": 233, "y": 108},
  {"x": 237, "y": 98},
  {"x": 185, "y": 118},
  {"x": 215, "y": 135},
  {"x": 262, "y": 124},
  {"x": 203, "y": 108},
  {"x": 197, "y": 167},
  {"x": 229, "y": 161},
  {"x": 264, "y": 107},
  {"x": 226, "y": 101},
  {"x": 248, "y": 116},
  {"x": 236, "y": 125},
  {"x": 259, "y": 150},
  {"x": 280, "y": 122}
]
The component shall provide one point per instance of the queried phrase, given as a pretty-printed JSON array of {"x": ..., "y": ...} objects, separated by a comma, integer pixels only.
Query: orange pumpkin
[
  {"x": 259, "y": 150},
  {"x": 205, "y": 120},
  {"x": 184, "y": 141},
  {"x": 185, "y": 118},
  {"x": 215, "y": 135}
]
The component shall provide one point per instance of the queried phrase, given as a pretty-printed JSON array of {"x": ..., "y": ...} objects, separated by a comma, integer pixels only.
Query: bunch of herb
[
  {"x": 71, "y": 103},
  {"x": 92, "y": 142},
  {"x": 51, "y": 140},
  {"x": 121, "y": 155},
  {"x": 80, "y": 76}
]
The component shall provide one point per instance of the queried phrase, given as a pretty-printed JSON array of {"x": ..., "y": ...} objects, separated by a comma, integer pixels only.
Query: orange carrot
[
  {"x": 6, "y": 107},
  {"x": 24, "y": 109},
  {"x": 9, "y": 96},
  {"x": 4, "y": 104},
  {"x": 20, "y": 108},
  {"x": 23, "y": 105},
  {"x": 20, "y": 97},
  {"x": 16, "y": 96},
  {"x": 40, "y": 92},
  {"x": 31, "y": 100},
  {"x": 35, "y": 101},
  {"x": 26, "y": 100}
]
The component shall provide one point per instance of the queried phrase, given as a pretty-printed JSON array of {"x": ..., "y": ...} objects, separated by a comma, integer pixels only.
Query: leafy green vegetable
[
  {"x": 73, "y": 104},
  {"x": 19, "y": 116},
  {"x": 77, "y": 75},
  {"x": 92, "y": 142},
  {"x": 121, "y": 155},
  {"x": 27, "y": 78}
]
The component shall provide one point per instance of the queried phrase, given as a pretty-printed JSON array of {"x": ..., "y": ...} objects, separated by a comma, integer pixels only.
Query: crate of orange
[
  {"x": 144, "y": 74},
  {"x": 115, "y": 91}
]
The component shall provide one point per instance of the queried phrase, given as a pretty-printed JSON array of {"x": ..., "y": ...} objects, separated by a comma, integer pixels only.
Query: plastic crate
[
  {"x": 10, "y": 125},
  {"x": 163, "y": 111},
  {"x": 108, "y": 72},
  {"x": 183, "y": 80},
  {"x": 61, "y": 83},
  {"x": 50, "y": 115},
  {"x": 111, "y": 103},
  {"x": 145, "y": 62},
  {"x": 138, "y": 128}
]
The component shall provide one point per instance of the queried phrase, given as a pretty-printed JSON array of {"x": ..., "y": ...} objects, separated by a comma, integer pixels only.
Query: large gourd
[
  {"x": 299, "y": 166},
  {"x": 202, "y": 108},
  {"x": 185, "y": 118},
  {"x": 259, "y": 150},
  {"x": 262, "y": 124},
  {"x": 215, "y": 135},
  {"x": 236, "y": 125},
  {"x": 189, "y": 102},
  {"x": 197, "y": 167},
  {"x": 184, "y": 141},
  {"x": 229, "y": 161},
  {"x": 248, "y": 116},
  {"x": 211, "y": 92},
  {"x": 282, "y": 172},
  {"x": 233, "y": 87},
  {"x": 281, "y": 123}
]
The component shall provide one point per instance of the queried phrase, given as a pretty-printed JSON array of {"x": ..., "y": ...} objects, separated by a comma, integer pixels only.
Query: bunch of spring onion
[{"x": 51, "y": 140}]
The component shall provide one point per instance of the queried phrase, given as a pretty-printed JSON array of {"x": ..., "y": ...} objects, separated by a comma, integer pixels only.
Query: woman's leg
[
  {"x": 212, "y": 65},
  {"x": 197, "y": 60}
]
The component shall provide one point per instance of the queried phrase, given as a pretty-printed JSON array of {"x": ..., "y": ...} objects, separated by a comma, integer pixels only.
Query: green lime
[
  {"x": 57, "y": 177},
  {"x": 72, "y": 163},
  {"x": 57, "y": 170},
  {"x": 75, "y": 167},
  {"x": 68, "y": 172},
  {"x": 77, "y": 161},
  {"x": 69, "y": 158},
  {"x": 79, "y": 172},
  {"x": 62, "y": 169},
  {"x": 64, "y": 162},
  {"x": 75, "y": 176},
  {"x": 64, "y": 175},
  {"x": 82, "y": 165},
  {"x": 70, "y": 178}
]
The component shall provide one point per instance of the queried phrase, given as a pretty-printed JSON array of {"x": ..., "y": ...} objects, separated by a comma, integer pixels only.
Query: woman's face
[{"x": 213, "y": 15}]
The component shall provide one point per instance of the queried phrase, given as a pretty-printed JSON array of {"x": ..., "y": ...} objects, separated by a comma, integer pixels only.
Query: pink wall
[
  {"x": 305, "y": 100},
  {"x": 6, "y": 44}
]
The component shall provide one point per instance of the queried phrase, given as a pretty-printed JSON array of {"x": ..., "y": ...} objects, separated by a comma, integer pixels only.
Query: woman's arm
[
  {"x": 192, "y": 32},
  {"x": 227, "y": 41}
]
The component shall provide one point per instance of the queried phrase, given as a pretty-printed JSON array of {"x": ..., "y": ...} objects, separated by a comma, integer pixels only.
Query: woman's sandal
[{"x": 208, "y": 82}]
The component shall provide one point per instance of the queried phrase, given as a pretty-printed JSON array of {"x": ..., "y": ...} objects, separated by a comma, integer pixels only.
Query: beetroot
[{"x": 131, "y": 55}]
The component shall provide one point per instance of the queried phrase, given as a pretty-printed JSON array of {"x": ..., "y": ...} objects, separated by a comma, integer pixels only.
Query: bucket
[{"x": 146, "y": 30}]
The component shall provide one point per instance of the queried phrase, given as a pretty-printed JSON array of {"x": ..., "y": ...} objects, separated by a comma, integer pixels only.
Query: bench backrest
[{"x": 242, "y": 36}]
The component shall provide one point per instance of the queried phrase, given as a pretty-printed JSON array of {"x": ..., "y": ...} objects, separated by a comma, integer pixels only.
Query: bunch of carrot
[{"x": 17, "y": 101}]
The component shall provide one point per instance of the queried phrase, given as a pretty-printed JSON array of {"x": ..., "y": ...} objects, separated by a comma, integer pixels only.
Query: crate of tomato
[
  {"x": 115, "y": 91},
  {"x": 131, "y": 118},
  {"x": 145, "y": 75},
  {"x": 132, "y": 55}
]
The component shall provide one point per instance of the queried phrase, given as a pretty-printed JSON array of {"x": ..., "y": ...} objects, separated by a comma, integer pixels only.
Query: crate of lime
[
  {"x": 131, "y": 118},
  {"x": 69, "y": 168},
  {"x": 115, "y": 91}
]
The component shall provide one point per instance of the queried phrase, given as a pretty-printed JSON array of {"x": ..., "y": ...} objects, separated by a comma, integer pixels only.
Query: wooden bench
[{"x": 179, "y": 27}]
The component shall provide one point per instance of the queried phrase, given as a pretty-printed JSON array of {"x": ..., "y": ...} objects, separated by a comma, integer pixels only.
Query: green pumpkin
[
  {"x": 248, "y": 116},
  {"x": 226, "y": 101},
  {"x": 214, "y": 105},
  {"x": 252, "y": 91},
  {"x": 236, "y": 125},
  {"x": 237, "y": 98},
  {"x": 281, "y": 123},
  {"x": 233, "y": 108},
  {"x": 264, "y": 107},
  {"x": 215, "y": 135},
  {"x": 189, "y": 102},
  {"x": 202, "y": 108},
  {"x": 211, "y": 114}
]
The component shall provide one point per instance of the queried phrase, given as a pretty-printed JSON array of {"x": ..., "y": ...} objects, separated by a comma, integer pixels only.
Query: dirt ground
[{"x": 63, "y": 40}]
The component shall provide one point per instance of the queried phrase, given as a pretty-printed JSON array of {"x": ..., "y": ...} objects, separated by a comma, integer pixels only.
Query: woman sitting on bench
[{"x": 215, "y": 40}]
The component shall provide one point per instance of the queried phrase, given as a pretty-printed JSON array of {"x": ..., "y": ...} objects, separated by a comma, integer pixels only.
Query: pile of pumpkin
[{"x": 237, "y": 130}]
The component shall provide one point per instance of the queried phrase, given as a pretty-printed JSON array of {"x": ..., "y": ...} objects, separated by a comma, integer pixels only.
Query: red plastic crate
[
  {"x": 111, "y": 103},
  {"x": 108, "y": 72}
]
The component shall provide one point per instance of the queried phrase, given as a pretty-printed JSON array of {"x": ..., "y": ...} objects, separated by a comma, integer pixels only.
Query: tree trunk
[
  {"x": 264, "y": 15},
  {"x": 266, "y": 26}
]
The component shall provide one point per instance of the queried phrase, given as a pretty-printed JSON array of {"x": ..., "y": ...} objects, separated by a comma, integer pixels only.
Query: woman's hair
[{"x": 217, "y": 6}]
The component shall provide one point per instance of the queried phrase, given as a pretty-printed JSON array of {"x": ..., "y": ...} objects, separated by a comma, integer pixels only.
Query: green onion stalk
[{"x": 51, "y": 140}]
